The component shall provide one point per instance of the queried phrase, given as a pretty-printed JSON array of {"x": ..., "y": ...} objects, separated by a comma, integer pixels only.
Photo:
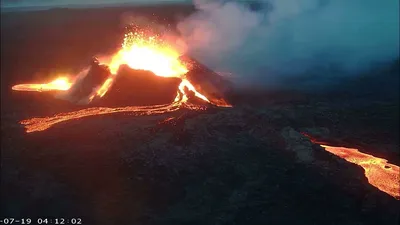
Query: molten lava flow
[
  {"x": 59, "y": 84},
  {"x": 381, "y": 174},
  {"x": 41, "y": 124},
  {"x": 103, "y": 88},
  {"x": 188, "y": 85}
]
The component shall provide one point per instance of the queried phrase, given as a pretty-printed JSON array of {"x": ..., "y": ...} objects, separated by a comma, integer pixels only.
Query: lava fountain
[
  {"x": 139, "y": 51},
  {"x": 148, "y": 52},
  {"x": 380, "y": 174}
]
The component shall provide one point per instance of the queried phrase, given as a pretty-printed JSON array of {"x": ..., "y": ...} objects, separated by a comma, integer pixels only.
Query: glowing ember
[
  {"x": 59, "y": 84},
  {"x": 381, "y": 174}
]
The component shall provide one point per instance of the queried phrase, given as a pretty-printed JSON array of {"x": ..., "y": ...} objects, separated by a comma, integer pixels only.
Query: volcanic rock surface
[
  {"x": 138, "y": 87},
  {"x": 244, "y": 165}
]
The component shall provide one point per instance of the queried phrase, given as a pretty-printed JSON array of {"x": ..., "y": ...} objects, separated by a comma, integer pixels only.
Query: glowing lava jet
[
  {"x": 60, "y": 84},
  {"x": 140, "y": 52},
  {"x": 381, "y": 174}
]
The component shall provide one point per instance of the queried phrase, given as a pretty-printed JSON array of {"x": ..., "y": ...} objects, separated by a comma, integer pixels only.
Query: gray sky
[{"x": 29, "y": 3}]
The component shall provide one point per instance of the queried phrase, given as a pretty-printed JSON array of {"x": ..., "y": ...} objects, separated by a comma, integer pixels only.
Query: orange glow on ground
[{"x": 381, "y": 174}]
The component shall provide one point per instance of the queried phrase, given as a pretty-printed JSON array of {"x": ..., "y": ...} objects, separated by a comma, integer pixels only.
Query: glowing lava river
[
  {"x": 380, "y": 174},
  {"x": 40, "y": 124},
  {"x": 139, "y": 51}
]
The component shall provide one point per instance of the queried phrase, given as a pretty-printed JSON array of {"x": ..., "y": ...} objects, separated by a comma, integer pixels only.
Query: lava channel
[
  {"x": 44, "y": 123},
  {"x": 380, "y": 174}
]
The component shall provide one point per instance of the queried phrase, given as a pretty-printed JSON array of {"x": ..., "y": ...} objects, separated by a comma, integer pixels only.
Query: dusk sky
[{"x": 29, "y": 3}]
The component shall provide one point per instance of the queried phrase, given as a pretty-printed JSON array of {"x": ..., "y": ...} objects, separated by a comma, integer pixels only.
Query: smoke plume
[
  {"x": 71, "y": 96},
  {"x": 283, "y": 39}
]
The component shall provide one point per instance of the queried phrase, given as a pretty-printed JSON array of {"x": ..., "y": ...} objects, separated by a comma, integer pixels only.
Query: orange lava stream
[
  {"x": 59, "y": 84},
  {"x": 187, "y": 84},
  {"x": 381, "y": 174},
  {"x": 142, "y": 52},
  {"x": 103, "y": 88},
  {"x": 41, "y": 124}
]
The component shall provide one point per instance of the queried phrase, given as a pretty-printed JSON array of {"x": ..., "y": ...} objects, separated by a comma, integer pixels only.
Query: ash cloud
[{"x": 292, "y": 39}]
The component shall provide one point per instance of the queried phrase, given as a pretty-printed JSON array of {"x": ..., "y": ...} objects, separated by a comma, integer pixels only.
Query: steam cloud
[
  {"x": 293, "y": 38},
  {"x": 77, "y": 84}
]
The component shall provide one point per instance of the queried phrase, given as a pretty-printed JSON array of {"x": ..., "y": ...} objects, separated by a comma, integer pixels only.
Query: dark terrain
[{"x": 219, "y": 166}]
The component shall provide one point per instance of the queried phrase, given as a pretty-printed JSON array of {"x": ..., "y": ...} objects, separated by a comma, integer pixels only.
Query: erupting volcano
[{"x": 140, "y": 51}]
